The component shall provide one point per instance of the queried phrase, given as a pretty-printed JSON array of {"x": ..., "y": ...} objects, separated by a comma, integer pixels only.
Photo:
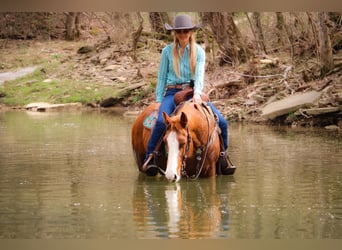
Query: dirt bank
[{"x": 241, "y": 93}]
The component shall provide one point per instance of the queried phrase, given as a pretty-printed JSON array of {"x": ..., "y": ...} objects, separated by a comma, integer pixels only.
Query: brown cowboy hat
[{"x": 182, "y": 22}]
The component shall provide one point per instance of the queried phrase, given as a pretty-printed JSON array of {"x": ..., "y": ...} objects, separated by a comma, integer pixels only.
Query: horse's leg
[{"x": 212, "y": 170}]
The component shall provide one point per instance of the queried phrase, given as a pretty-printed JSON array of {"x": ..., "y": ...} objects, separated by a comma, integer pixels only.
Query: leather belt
[{"x": 178, "y": 86}]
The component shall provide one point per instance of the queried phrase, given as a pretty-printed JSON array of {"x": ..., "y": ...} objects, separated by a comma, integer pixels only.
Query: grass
[
  {"x": 33, "y": 88},
  {"x": 56, "y": 61},
  {"x": 50, "y": 57}
]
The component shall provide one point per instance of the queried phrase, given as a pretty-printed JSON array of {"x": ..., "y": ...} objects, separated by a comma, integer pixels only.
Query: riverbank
[{"x": 104, "y": 76}]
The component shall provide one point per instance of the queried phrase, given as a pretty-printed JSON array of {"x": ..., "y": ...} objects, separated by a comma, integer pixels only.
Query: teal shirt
[{"x": 167, "y": 75}]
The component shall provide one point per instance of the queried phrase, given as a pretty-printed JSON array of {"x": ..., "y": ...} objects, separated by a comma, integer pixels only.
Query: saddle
[
  {"x": 186, "y": 94},
  {"x": 179, "y": 97}
]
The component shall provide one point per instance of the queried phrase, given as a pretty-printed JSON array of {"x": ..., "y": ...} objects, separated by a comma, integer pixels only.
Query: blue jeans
[{"x": 168, "y": 106}]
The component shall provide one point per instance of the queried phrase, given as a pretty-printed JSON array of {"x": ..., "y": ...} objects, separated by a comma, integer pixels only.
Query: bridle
[{"x": 201, "y": 152}]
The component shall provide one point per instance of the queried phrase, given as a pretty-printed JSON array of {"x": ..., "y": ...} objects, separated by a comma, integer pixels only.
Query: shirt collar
[{"x": 186, "y": 47}]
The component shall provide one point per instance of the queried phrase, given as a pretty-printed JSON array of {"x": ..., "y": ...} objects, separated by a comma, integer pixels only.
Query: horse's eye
[{"x": 181, "y": 144}]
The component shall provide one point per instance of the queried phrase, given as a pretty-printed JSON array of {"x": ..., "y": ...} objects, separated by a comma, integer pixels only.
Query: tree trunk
[
  {"x": 233, "y": 50},
  {"x": 158, "y": 20},
  {"x": 325, "y": 50},
  {"x": 313, "y": 25},
  {"x": 335, "y": 27},
  {"x": 258, "y": 32},
  {"x": 72, "y": 26},
  {"x": 136, "y": 36},
  {"x": 281, "y": 32}
]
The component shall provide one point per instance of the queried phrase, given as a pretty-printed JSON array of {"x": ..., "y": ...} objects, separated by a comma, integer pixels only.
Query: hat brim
[{"x": 169, "y": 27}]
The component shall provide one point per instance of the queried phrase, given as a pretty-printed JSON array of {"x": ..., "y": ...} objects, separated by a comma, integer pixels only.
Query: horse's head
[{"x": 177, "y": 142}]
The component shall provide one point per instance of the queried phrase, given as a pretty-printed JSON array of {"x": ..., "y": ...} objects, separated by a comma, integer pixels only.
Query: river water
[{"x": 72, "y": 175}]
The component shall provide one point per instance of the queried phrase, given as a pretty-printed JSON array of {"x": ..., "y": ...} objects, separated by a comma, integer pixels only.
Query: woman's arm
[
  {"x": 199, "y": 73},
  {"x": 162, "y": 75}
]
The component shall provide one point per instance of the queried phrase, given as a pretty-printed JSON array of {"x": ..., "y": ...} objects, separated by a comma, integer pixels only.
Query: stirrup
[
  {"x": 228, "y": 168},
  {"x": 150, "y": 168},
  {"x": 149, "y": 158}
]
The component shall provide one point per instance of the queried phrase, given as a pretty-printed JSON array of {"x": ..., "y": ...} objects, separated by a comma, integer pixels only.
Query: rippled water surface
[{"x": 72, "y": 175}]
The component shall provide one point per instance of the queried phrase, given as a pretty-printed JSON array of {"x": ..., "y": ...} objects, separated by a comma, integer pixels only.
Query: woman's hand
[{"x": 197, "y": 98}]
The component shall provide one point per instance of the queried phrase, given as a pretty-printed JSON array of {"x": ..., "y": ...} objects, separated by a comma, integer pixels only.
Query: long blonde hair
[{"x": 192, "y": 55}]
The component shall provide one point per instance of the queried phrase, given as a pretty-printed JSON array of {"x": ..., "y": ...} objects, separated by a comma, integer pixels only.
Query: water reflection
[{"x": 189, "y": 210}]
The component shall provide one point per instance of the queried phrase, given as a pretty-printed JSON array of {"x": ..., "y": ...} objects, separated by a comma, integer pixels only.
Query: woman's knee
[
  {"x": 160, "y": 123},
  {"x": 223, "y": 124}
]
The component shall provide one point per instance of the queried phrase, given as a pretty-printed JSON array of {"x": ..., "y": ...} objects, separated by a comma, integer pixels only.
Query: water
[{"x": 72, "y": 175}]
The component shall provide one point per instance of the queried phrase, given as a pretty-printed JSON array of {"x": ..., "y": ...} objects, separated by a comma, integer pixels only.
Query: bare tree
[
  {"x": 72, "y": 25},
  {"x": 136, "y": 35},
  {"x": 281, "y": 32},
  {"x": 325, "y": 50},
  {"x": 334, "y": 23},
  {"x": 259, "y": 36},
  {"x": 228, "y": 37},
  {"x": 157, "y": 21}
]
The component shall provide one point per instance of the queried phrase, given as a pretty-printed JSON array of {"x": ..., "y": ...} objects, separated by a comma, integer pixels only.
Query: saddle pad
[{"x": 150, "y": 120}]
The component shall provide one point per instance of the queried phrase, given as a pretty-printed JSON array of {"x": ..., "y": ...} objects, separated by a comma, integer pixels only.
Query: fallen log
[
  {"x": 237, "y": 83},
  {"x": 111, "y": 101},
  {"x": 130, "y": 88},
  {"x": 318, "y": 111}
]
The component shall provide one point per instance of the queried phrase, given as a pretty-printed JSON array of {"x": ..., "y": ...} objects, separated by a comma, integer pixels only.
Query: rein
[
  {"x": 200, "y": 157},
  {"x": 156, "y": 150},
  {"x": 201, "y": 152}
]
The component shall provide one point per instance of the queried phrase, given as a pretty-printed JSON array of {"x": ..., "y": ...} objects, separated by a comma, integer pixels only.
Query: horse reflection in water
[
  {"x": 192, "y": 143},
  {"x": 186, "y": 210}
]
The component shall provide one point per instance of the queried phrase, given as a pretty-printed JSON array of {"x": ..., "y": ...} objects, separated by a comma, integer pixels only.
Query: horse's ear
[
  {"x": 166, "y": 118},
  {"x": 183, "y": 120}
]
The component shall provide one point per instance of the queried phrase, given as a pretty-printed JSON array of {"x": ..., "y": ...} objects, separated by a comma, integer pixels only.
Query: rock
[
  {"x": 289, "y": 104},
  {"x": 35, "y": 105},
  {"x": 131, "y": 113},
  {"x": 103, "y": 61},
  {"x": 112, "y": 67},
  {"x": 48, "y": 81},
  {"x": 250, "y": 102},
  {"x": 109, "y": 102},
  {"x": 332, "y": 128},
  {"x": 45, "y": 106},
  {"x": 85, "y": 49},
  {"x": 118, "y": 79}
]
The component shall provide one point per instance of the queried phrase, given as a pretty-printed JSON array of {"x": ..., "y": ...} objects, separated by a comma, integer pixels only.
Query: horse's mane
[
  {"x": 189, "y": 105},
  {"x": 201, "y": 119}
]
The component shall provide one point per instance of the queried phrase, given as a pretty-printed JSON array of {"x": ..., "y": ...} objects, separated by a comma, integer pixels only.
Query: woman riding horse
[{"x": 181, "y": 62}]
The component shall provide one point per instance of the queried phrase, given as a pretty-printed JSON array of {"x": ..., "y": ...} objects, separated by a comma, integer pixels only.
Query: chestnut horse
[{"x": 191, "y": 141}]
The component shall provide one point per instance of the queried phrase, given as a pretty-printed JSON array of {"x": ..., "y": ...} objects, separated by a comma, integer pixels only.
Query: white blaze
[{"x": 171, "y": 168}]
